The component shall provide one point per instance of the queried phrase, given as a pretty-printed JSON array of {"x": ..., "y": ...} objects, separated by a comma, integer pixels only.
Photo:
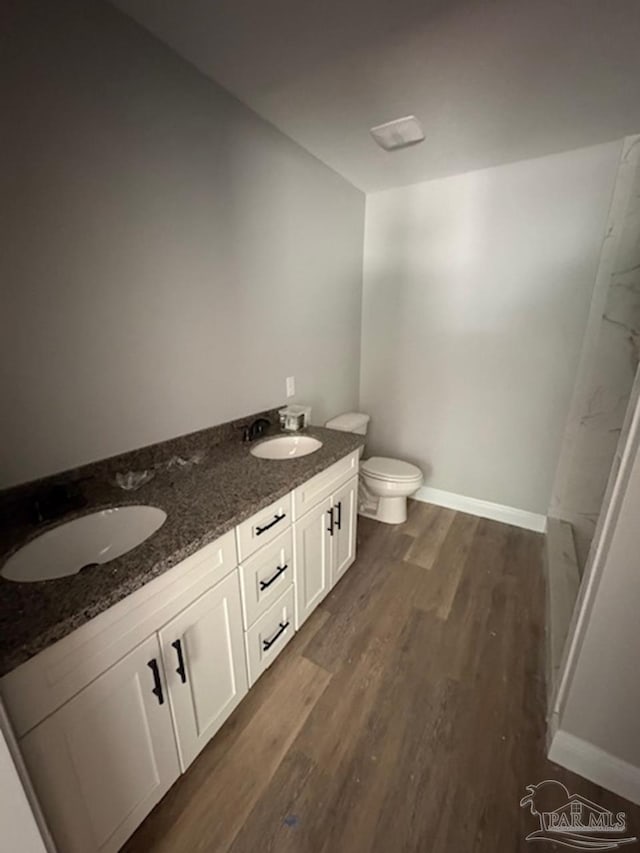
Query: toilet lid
[{"x": 382, "y": 468}]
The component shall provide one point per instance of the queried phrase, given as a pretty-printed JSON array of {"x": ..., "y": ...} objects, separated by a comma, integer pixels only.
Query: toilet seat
[{"x": 390, "y": 470}]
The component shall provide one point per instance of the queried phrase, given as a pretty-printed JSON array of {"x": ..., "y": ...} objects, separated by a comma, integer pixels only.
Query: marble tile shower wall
[{"x": 610, "y": 366}]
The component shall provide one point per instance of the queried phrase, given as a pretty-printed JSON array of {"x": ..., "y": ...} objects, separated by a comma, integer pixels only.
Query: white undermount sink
[
  {"x": 286, "y": 447},
  {"x": 85, "y": 541}
]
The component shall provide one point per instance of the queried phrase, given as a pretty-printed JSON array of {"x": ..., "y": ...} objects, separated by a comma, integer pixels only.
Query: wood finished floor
[{"x": 406, "y": 715}]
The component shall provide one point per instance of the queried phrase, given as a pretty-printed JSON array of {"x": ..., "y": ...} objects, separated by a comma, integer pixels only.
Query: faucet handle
[{"x": 255, "y": 429}]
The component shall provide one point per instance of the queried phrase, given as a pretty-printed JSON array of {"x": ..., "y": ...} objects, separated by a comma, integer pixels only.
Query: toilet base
[
  {"x": 385, "y": 501},
  {"x": 388, "y": 510}
]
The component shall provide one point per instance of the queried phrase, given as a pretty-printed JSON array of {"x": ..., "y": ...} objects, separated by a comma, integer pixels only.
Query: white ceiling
[{"x": 492, "y": 81}]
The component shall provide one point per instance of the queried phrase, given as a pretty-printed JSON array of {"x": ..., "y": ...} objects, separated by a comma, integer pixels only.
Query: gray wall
[
  {"x": 476, "y": 296},
  {"x": 169, "y": 258}
]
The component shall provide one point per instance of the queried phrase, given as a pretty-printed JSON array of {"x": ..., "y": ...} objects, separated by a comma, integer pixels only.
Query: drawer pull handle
[
  {"x": 276, "y": 519},
  {"x": 157, "y": 684},
  {"x": 266, "y": 644},
  {"x": 177, "y": 645},
  {"x": 275, "y": 576},
  {"x": 330, "y": 527},
  {"x": 339, "y": 519}
]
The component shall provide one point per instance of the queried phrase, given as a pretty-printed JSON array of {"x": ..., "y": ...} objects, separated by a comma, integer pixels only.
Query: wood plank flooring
[{"x": 406, "y": 715}]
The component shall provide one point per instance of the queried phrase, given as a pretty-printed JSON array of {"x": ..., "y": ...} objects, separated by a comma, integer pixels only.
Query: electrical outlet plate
[{"x": 291, "y": 386}]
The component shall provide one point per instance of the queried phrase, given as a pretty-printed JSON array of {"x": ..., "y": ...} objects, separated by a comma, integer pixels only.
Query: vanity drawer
[
  {"x": 265, "y": 576},
  {"x": 270, "y": 634},
  {"x": 306, "y": 496},
  {"x": 263, "y": 527}
]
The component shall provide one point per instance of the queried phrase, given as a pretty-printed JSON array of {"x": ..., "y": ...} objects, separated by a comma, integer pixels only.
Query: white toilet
[{"x": 385, "y": 484}]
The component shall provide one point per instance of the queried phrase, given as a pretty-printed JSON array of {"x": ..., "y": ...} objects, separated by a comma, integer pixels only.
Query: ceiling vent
[{"x": 399, "y": 133}]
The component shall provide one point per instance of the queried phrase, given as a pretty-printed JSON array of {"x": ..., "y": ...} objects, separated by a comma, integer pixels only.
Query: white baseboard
[
  {"x": 595, "y": 764},
  {"x": 485, "y": 509}
]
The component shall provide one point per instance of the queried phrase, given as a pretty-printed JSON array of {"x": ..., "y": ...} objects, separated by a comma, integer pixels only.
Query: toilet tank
[{"x": 350, "y": 422}]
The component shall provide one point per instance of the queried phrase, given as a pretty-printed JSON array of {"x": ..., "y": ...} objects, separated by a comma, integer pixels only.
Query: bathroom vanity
[{"x": 108, "y": 716}]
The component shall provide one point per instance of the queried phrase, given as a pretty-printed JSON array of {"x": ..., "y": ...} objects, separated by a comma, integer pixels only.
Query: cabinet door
[
  {"x": 101, "y": 762},
  {"x": 203, "y": 653},
  {"x": 313, "y": 542},
  {"x": 345, "y": 514}
]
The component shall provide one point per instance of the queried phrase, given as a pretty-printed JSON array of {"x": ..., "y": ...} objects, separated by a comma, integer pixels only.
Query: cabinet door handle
[
  {"x": 339, "y": 519},
  {"x": 330, "y": 527},
  {"x": 157, "y": 684},
  {"x": 177, "y": 645},
  {"x": 282, "y": 627},
  {"x": 275, "y": 576},
  {"x": 276, "y": 519}
]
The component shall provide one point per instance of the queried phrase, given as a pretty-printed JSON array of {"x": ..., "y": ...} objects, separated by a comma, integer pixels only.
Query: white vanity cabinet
[
  {"x": 203, "y": 656},
  {"x": 325, "y": 547},
  {"x": 101, "y": 762},
  {"x": 107, "y": 722},
  {"x": 313, "y": 559},
  {"x": 325, "y": 511},
  {"x": 109, "y": 716},
  {"x": 345, "y": 517}
]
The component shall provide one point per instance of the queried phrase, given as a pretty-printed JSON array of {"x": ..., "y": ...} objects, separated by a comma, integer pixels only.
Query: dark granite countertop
[{"x": 201, "y": 503}]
